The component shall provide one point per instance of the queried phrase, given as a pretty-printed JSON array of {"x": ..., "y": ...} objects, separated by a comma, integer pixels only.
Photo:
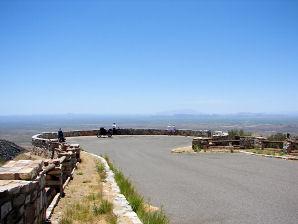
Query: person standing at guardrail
[
  {"x": 61, "y": 136},
  {"x": 114, "y": 127},
  {"x": 174, "y": 129},
  {"x": 169, "y": 129}
]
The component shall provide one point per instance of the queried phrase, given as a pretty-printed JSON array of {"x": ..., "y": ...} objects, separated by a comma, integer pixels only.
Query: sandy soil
[
  {"x": 187, "y": 149},
  {"x": 28, "y": 156}
]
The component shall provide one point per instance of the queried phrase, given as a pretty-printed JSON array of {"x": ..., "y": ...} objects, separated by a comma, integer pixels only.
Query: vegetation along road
[{"x": 204, "y": 188}]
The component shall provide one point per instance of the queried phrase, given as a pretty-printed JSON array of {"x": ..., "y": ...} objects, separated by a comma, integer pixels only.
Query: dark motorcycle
[{"x": 102, "y": 133}]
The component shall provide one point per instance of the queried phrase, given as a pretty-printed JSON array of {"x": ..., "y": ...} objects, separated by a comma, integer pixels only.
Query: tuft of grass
[
  {"x": 79, "y": 212},
  {"x": 101, "y": 171},
  {"x": 80, "y": 173},
  {"x": 105, "y": 207},
  {"x": 94, "y": 197},
  {"x": 112, "y": 219},
  {"x": 136, "y": 200},
  {"x": 156, "y": 217},
  {"x": 66, "y": 220},
  {"x": 87, "y": 210},
  {"x": 268, "y": 151}
]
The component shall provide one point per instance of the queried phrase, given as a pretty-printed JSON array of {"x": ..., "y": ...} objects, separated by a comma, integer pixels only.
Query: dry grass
[
  {"x": 27, "y": 156},
  {"x": 92, "y": 209},
  {"x": 268, "y": 151},
  {"x": 24, "y": 155},
  {"x": 83, "y": 201}
]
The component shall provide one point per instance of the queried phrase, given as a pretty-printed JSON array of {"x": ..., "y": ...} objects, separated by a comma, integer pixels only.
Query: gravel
[{"x": 8, "y": 150}]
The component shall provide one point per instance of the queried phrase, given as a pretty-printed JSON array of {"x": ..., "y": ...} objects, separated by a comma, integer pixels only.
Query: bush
[
  {"x": 157, "y": 217},
  {"x": 277, "y": 137},
  {"x": 236, "y": 132},
  {"x": 136, "y": 202},
  {"x": 101, "y": 171},
  {"x": 197, "y": 148}
]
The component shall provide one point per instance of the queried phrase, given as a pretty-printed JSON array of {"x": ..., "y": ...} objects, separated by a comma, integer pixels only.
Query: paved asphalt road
[{"x": 204, "y": 188}]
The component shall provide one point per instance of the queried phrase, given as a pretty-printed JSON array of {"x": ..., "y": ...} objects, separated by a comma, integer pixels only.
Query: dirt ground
[
  {"x": 187, "y": 149},
  {"x": 28, "y": 156},
  {"x": 86, "y": 181}
]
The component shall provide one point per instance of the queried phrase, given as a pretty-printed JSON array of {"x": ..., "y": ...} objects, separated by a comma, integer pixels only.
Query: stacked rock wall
[
  {"x": 247, "y": 143},
  {"x": 164, "y": 132},
  {"x": 42, "y": 140},
  {"x": 27, "y": 187},
  {"x": 242, "y": 143},
  {"x": 23, "y": 201}
]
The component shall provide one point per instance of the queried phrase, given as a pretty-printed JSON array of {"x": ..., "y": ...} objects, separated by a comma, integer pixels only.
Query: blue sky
[{"x": 146, "y": 57}]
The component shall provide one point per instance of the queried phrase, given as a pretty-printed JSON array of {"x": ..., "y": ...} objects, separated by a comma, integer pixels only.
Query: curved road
[{"x": 204, "y": 188}]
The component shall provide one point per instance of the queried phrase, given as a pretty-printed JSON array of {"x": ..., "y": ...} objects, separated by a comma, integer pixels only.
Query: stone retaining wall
[
  {"x": 42, "y": 140},
  {"x": 27, "y": 187},
  {"x": 242, "y": 143},
  {"x": 23, "y": 201},
  {"x": 288, "y": 146}
]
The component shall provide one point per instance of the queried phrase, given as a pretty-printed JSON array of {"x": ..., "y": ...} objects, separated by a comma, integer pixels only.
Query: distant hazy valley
[{"x": 20, "y": 128}]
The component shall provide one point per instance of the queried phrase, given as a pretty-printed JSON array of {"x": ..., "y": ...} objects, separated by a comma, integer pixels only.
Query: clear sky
[{"x": 144, "y": 57}]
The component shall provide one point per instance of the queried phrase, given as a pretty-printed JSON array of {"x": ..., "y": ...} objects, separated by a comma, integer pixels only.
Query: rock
[
  {"x": 20, "y": 170},
  {"x": 5, "y": 209},
  {"x": 19, "y": 200},
  {"x": 8, "y": 150}
]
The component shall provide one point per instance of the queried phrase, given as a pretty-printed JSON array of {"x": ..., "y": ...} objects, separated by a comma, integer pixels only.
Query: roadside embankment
[
  {"x": 84, "y": 201},
  {"x": 109, "y": 193}
]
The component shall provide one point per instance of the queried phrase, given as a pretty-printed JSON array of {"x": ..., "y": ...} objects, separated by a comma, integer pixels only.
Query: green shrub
[
  {"x": 277, "y": 137},
  {"x": 236, "y": 132},
  {"x": 94, "y": 197},
  {"x": 197, "y": 148},
  {"x": 156, "y": 217},
  {"x": 101, "y": 171},
  {"x": 136, "y": 202}
]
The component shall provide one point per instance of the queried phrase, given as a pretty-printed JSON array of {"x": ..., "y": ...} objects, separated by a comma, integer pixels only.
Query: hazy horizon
[
  {"x": 20, "y": 129},
  {"x": 160, "y": 113}
]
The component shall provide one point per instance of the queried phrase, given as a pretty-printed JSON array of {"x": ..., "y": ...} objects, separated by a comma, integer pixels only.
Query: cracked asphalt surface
[{"x": 204, "y": 188}]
